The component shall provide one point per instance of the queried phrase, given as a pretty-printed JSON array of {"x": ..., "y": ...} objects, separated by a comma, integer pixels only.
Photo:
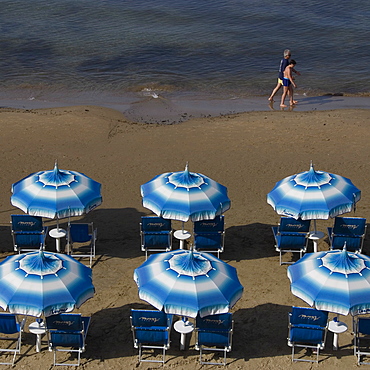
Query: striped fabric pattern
[
  {"x": 56, "y": 194},
  {"x": 313, "y": 195},
  {"x": 185, "y": 195},
  {"x": 188, "y": 283},
  {"x": 336, "y": 281},
  {"x": 43, "y": 283}
]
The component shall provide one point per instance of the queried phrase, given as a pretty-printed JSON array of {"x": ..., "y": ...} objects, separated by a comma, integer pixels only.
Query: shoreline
[{"x": 152, "y": 108}]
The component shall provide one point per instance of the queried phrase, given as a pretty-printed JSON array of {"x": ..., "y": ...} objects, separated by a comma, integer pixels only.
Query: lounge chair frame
[
  {"x": 67, "y": 331},
  {"x": 10, "y": 325},
  {"x": 85, "y": 236},
  {"x": 28, "y": 233},
  {"x": 155, "y": 234},
  {"x": 215, "y": 336},
  {"x": 209, "y": 235},
  {"x": 349, "y": 231},
  {"x": 307, "y": 329},
  {"x": 361, "y": 330},
  {"x": 151, "y": 330},
  {"x": 291, "y": 235}
]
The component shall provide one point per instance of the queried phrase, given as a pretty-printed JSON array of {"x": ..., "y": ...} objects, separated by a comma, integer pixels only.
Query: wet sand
[{"x": 166, "y": 108}]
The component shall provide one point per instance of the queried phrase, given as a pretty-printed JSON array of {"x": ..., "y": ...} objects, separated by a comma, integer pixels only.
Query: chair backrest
[
  {"x": 363, "y": 325},
  {"x": 308, "y": 316},
  {"x": 155, "y": 224},
  {"x": 8, "y": 323},
  {"x": 79, "y": 232},
  {"x": 290, "y": 224},
  {"x": 151, "y": 327},
  {"x": 351, "y": 226},
  {"x": 65, "y": 322},
  {"x": 67, "y": 330},
  {"x": 149, "y": 318},
  {"x": 26, "y": 223},
  {"x": 214, "y": 330},
  {"x": 210, "y": 226},
  {"x": 215, "y": 322}
]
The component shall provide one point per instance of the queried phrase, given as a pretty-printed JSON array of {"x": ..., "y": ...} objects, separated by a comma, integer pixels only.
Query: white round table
[
  {"x": 315, "y": 236},
  {"x": 39, "y": 330},
  {"x": 336, "y": 327},
  {"x": 183, "y": 327},
  {"x": 57, "y": 234},
  {"x": 181, "y": 235}
]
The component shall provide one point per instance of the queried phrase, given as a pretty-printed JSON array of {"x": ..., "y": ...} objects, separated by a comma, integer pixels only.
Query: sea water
[{"x": 100, "y": 49}]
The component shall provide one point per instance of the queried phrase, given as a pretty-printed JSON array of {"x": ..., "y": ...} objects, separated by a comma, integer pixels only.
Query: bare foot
[
  {"x": 295, "y": 101},
  {"x": 283, "y": 105},
  {"x": 271, "y": 99}
]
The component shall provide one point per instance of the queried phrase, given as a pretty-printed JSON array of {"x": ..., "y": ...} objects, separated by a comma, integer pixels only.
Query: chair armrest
[
  {"x": 86, "y": 323},
  {"x": 22, "y": 323}
]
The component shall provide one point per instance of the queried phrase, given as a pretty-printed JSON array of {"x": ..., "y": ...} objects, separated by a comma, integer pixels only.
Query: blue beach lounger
[
  {"x": 347, "y": 230},
  {"x": 291, "y": 236},
  {"x": 28, "y": 233},
  {"x": 214, "y": 333},
  {"x": 67, "y": 333},
  {"x": 156, "y": 234},
  {"x": 307, "y": 329},
  {"x": 151, "y": 330},
  {"x": 209, "y": 235}
]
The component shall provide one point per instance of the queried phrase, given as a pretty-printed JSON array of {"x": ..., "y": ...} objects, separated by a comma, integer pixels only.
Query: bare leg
[
  {"x": 277, "y": 88},
  {"x": 282, "y": 104},
  {"x": 291, "y": 95}
]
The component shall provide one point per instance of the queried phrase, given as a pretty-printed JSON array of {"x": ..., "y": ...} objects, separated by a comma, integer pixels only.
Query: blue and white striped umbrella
[
  {"x": 43, "y": 283},
  {"x": 185, "y": 195},
  {"x": 188, "y": 283},
  {"x": 56, "y": 194},
  {"x": 336, "y": 281},
  {"x": 313, "y": 195}
]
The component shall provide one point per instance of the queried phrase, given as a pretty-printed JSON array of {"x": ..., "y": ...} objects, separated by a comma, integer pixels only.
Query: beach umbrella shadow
[
  {"x": 261, "y": 331},
  {"x": 248, "y": 242},
  {"x": 118, "y": 232},
  {"x": 6, "y": 240},
  {"x": 108, "y": 327}
]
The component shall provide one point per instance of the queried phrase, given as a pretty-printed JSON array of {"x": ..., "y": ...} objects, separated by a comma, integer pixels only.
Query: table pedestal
[
  {"x": 183, "y": 327},
  {"x": 336, "y": 327},
  {"x": 182, "y": 235},
  {"x": 39, "y": 330},
  {"x": 57, "y": 234},
  {"x": 315, "y": 236}
]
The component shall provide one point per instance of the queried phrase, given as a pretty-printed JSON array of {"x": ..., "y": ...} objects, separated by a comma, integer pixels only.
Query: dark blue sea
[{"x": 97, "y": 50}]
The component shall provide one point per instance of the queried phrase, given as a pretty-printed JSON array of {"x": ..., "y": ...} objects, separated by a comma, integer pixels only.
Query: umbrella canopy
[
  {"x": 188, "y": 283},
  {"x": 43, "y": 283},
  {"x": 336, "y": 281},
  {"x": 313, "y": 195},
  {"x": 185, "y": 195},
  {"x": 56, "y": 194}
]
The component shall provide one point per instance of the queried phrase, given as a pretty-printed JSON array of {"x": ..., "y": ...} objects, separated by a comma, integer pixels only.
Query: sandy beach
[{"x": 247, "y": 152}]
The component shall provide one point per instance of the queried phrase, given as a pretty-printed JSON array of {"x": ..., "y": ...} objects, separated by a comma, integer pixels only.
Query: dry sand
[{"x": 246, "y": 152}]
